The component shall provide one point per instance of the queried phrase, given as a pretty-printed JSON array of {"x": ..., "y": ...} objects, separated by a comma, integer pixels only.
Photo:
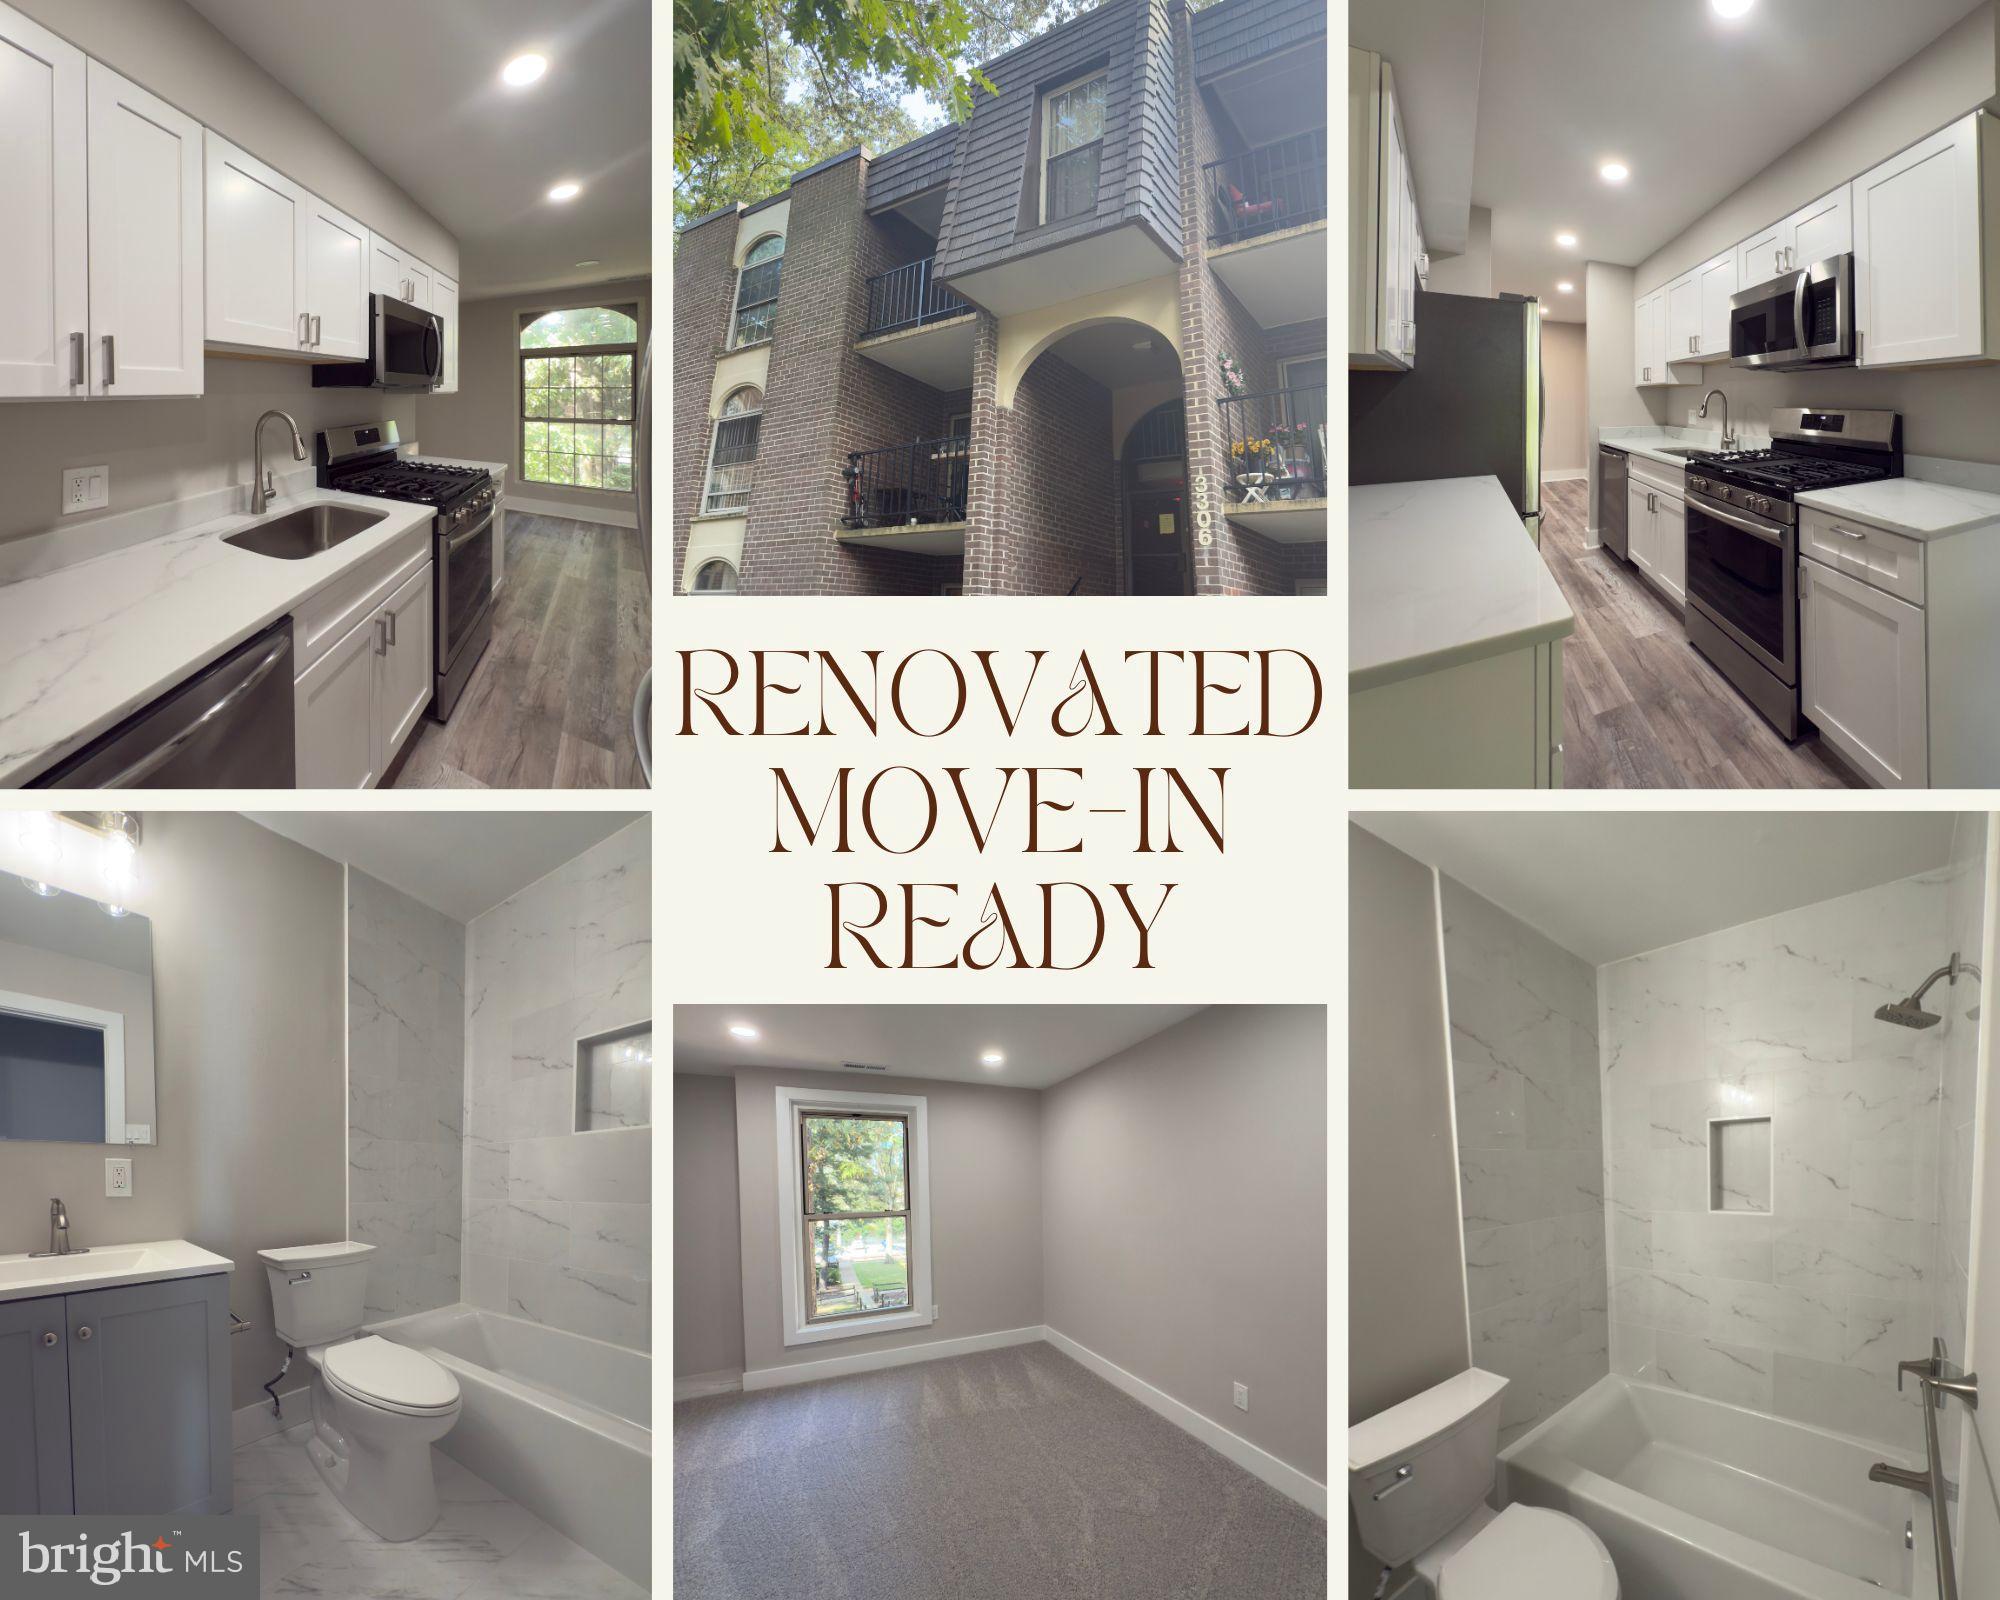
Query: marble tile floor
[{"x": 484, "y": 1547}]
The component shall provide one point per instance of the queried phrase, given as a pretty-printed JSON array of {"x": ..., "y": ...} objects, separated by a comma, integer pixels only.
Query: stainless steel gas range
[{"x": 365, "y": 460}]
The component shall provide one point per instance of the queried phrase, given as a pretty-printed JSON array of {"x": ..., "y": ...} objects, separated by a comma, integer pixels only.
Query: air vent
[{"x": 862, "y": 1066}]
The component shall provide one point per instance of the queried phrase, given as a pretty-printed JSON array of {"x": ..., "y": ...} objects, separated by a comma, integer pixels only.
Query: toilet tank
[
  {"x": 317, "y": 1290},
  {"x": 1417, "y": 1470}
]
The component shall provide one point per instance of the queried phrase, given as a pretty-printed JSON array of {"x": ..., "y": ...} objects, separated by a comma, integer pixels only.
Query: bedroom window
[
  {"x": 854, "y": 1188},
  {"x": 757, "y": 291},
  {"x": 1072, "y": 147}
]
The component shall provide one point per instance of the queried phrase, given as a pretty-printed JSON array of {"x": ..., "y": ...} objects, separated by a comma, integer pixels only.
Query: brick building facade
[{"x": 994, "y": 363}]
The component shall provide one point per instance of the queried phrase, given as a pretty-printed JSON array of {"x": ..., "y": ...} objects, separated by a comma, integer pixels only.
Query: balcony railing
[
  {"x": 909, "y": 297},
  {"x": 1277, "y": 445},
  {"x": 906, "y": 485},
  {"x": 1281, "y": 185}
]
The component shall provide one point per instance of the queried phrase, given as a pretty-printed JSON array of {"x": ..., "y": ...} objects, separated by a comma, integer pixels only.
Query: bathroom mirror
[
  {"x": 76, "y": 1018},
  {"x": 614, "y": 1078}
]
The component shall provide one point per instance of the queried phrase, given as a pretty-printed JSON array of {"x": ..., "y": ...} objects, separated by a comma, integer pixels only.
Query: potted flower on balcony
[
  {"x": 1250, "y": 462},
  {"x": 1232, "y": 376}
]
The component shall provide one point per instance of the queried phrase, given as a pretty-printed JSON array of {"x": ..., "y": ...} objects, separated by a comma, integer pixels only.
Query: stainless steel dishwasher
[
  {"x": 1612, "y": 468},
  {"x": 227, "y": 727}
]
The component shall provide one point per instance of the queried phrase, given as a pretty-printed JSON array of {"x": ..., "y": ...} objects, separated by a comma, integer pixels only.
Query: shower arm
[{"x": 1951, "y": 969}]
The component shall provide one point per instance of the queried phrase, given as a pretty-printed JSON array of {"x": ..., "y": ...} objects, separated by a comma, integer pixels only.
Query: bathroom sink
[
  {"x": 89, "y": 1264},
  {"x": 306, "y": 531},
  {"x": 105, "y": 1267}
]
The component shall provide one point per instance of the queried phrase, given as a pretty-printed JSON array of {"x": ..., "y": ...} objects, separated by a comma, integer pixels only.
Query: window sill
[
  {"x": 820, "y": 1332},
  {"x": 736, "y": 349},
  {"x": 721, "y": 516}
]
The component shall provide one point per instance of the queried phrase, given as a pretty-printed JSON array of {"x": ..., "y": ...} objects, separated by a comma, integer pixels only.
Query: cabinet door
[
  {"x": 386, "y": 271},
  {"x": 336, "y": 297},
  {"x": 149, "y": 1397},
  {"x": 444, "y": 301},
  {"x": 34, "y": 1400},
  {"x": 145, "y": 242},
  {"x": 420, "y": 282},
  {"x": 1641, "y": 310},
  {"x": 1411, "y": 248},
  {"x": 1716, "y": 282},
  {"x": 44, "y": 243},
  {"x": 1862, "y": 675},
  {"x": 1824, "y": 228},
  {"x": 1684, "y": 317},
  {"x": 1917, "y": 268},
  {"x": 1389, "y": 294},
  {"x": 256, "y": 227},
  {"x": 1670, "y": 548},
  {"x": 408, "y": 675},
  {"x": 333, "y": 704},
  {"x": 1639, "y": 525},
  {"x": 1760, "y": 257}
]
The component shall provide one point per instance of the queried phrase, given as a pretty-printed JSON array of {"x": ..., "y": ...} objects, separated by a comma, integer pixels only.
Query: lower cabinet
[
  {"x": 117, "y": 1401},
  {"x": 1862, "y": 675},
  {"x": 1493, "y": 723},
  {"x": 1656, "y": 537},
  {"x": 359, "y": 702}
]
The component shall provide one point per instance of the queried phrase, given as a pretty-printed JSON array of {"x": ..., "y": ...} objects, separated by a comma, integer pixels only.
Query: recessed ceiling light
[
  {"x": 1614, "y": 172},
  {"x": 743, "y": 1030},
  {"x": 1731, "y": 9},
  {"x": 1566, "y": 241},
  {"x": 566, "y": 191},
  {"x": 992, "y": 1058},
  {"x": 1565, "y": 287},
  {"x": 590, "y": 263},
  {"x": 524, "y": 70}
]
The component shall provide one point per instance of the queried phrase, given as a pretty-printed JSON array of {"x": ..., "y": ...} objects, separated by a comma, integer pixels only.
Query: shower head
[{"x": 1910, "y": 1013}]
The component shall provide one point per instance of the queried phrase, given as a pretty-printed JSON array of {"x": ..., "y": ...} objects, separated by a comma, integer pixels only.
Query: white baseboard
[
  {"x": 248, "y": 1424},
  {"x": 554, "y": 508},
  {"x": 1564, "y": 474},
  {"x": 1259, "y": 1463},
  {"x": 697, "y": 1384},
  {"x": 875, "y": 1360}
]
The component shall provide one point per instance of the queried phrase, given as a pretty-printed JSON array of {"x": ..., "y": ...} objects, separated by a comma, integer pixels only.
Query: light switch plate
[
  {"x": 118, "y": 1177},
  {"x": 1242, "y": 1397},
  {"x": 86, "y": 489}
]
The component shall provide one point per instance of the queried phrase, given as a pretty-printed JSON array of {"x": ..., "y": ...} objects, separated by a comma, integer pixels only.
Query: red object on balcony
[{"x": 1246, "y": 209}]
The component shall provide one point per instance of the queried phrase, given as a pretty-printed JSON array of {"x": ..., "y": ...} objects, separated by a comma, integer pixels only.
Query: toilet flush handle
[{"x": 1404, "y": 1474}]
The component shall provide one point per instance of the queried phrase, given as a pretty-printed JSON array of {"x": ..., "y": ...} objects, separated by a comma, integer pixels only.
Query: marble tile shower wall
[
  {"x": 1965, "y": 893},
  {"x": 1524, "y": 1063},
  {"x": 558, "y": 1223},
  {"x": 405, "y": 1094},
  {"x": 1804, "y": 1309}
]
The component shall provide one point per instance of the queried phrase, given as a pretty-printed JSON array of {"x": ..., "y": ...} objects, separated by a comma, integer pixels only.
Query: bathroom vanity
[{"x": 114, "y": 1381}]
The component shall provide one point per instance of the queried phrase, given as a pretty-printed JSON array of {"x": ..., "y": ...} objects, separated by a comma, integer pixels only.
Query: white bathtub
[
  {"x": 559, "y": 1423},
  {"x": 1697, "y": 1500}
]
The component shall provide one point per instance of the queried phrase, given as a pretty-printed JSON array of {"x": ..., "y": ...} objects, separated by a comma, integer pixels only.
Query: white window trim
[
  {"x": 1286, "y": 363},
  {"x": 791, "y": 1233},
  {"x": 1042, "y": 172},
  {"x": 111, "y": 1024}
]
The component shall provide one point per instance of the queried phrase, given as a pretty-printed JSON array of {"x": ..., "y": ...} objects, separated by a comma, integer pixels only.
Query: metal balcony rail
[
  {"x": 907, "y": 485},
  {"x": 1276, "y": 444},
  {"x": 1280, "y": 185},
  {"x": 908, "y": 297}
]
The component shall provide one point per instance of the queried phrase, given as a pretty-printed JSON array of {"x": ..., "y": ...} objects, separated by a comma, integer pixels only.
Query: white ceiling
[
  {"x": 1042, "y": 1044},
  {"x": 1608, "y": 884},
  {"x": 1433, "y": 48},
  {"x": 416, "y": 89},
  {"x": 1694, "y": 105},
  {"x": 457, "y": 862}
]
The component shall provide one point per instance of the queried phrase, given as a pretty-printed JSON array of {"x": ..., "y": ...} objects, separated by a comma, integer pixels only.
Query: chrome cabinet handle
[
  {"x": 110, "y": 359},
  {"x": 1403, "y": 1475},
  {"x": 392, "y": 627},
  {"x": 381, "y": 637},
  {"x": 48, "y": 1341},
  {"x": 316, "y": 325},
  {"x": 83, "y": 1333},
  {"x": 305, "y": 329},
  {"x": 1845, "y": 533},
  {"x": 76, "y": 360}
]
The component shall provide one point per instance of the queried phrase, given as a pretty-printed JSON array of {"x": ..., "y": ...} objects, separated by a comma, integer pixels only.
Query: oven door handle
[
  {"x": 1709, "y": 508},
  {"x": 459, "y": 540}
]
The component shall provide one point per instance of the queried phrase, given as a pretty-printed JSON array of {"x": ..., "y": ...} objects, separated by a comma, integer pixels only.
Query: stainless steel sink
[
  {"x": 1704, "y": 450},
  {"x": 306, "y": 531}
]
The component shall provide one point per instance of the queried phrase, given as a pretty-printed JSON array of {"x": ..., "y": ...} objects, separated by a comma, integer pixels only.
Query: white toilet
[
  {"x": 1419, "y": 1474},
  {"x": 377, "y": 1407}
]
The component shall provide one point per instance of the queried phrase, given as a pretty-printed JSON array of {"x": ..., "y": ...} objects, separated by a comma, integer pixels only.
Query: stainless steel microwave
[
  {"x": 1797, "y": 319},
  {"x": 405, "y": 350}
]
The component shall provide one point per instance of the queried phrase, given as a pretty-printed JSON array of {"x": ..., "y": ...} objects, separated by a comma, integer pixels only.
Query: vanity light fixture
[
  {"x": 743, "y": 1030},
  {"x": 1614, "y": 172},
  {"x": 992, "y": 1058},
  {"x": 41, "y": 842},
  {"x": 524, "y": 70},
  {"x": 566, "y": 191},
  {"x": 1566, "y": 241}
]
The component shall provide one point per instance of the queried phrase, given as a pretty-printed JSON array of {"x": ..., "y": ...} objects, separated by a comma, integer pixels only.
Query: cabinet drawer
[
  {"x": 329, "y": 616},
  {"x": 1667, "y": 480},
  {"x": 1889, "y": 561}
]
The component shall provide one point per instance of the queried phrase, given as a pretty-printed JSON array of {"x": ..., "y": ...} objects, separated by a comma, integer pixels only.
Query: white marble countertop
[
  {"x": 417, "y": 453},
  {"x": 1918, "y": 508},
  {"x": 1441, "y": 573},
  {"x": 106, "y": 1266},
  {"x": 1653, "y": 443},
  {"x": 83, "y": 646}
]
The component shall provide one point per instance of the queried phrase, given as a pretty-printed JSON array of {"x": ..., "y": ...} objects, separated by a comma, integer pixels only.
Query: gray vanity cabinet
[{"x": 131, "y": 1402}]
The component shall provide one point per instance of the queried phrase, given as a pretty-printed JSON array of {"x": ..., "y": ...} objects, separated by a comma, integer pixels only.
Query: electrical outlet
[
  {"x": 1242, "y": 1397},
  {"x": 934, "y": 1313},
  {"x": 86, "y": 489},
  {"x": 118, "y": 1177}
]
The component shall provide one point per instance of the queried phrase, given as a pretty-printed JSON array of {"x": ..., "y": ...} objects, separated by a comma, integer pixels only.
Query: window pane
[
  {"x": 538, "y": 371},
  {"x": 618, "y": 404},
  {"x": 555, "y": 330},
  {"x": 618, "y": 370},
  {"x": 536, "y": 402},
  {"x": 590, "y": 472},
  {"x": 765, "y": 250},
  {"x": 618, "y": 475},
  {"x": 534, "y": 436},
  {"x": 1076, "y": 116},
  {"x": 1073, "y": 183},
  {"x": 754, "y": 323},
  {"x": 562, "y": 469},
  {"x": 854, "y": 1164},
  {"x": 859, "y": 1267},
  {"x": 618, "y": 443}
]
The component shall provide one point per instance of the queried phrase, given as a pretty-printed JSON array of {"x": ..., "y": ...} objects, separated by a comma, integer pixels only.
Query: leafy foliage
[
  {"x": 854, "y": 1164},
  {"x": 556, "y": 330}
]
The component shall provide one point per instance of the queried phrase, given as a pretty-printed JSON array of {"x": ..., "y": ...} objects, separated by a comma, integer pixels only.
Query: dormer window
[{"x": 1072, "y": 147}]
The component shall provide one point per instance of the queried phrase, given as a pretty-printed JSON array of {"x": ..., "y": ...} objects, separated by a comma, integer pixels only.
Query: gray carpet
[{"x": 1009, "y": 1475}]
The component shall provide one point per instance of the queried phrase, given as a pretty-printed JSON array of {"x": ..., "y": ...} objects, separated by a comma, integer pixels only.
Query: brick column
[
  {"x": 704, "y": 286},
  {"x": 985, "y": 498}
]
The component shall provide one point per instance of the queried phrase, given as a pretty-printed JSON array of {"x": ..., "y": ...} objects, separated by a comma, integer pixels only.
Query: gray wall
[
  {"x": 986, "y": 1211},
  {"x": 1610, "y": 400},
  {"x": 249, "y": 968},
  {"x": 1565, "y": 373},
  {"x": 708, "y": 1259},
  {"x": 405, "y": 1094},
  {"x": 1472, "y": 272},
  {"x": 1184, "y": 1218}
]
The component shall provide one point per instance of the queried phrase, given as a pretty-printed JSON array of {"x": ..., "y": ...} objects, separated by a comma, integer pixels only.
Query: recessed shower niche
[
  {"x": 614, "y": 1078},
  {"x": 1739, "y": 1165}
]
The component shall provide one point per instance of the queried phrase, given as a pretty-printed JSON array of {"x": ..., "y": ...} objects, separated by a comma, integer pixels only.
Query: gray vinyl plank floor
[{"x": 1012, "y": 1474}]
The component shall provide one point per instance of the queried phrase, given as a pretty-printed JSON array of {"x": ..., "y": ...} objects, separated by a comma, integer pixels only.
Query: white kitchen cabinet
[
  {"x": 44, "y": 246},
  {"x": 1715, "y": 282},
  {"x": 444, "y": 301},
  {"x": 1639, "y": 525},
  {"x": 1683, "y": 317},
  {"x": 336, "y": 293},
  {"x": 1649, "y": 339},
  {"x": 421, "y": 278},
  {"x": 1811, "y": 233},
  {"x": 1384, "y": 239},
  {"x": 387, "y": 273},
  {"x": 360, "y": 701},
  {"x": 256, "y": 243},
  {"x": 1491, "y": 723},
  {"x": 1925, "y": 264},
  {"x": 1656, "y": 537},
  {"x": 1758, "y": 257},
  {"x": 1862, "y": 675},
  {"x": 408, "y": 677},
  {"x": 145, "y": 242}
]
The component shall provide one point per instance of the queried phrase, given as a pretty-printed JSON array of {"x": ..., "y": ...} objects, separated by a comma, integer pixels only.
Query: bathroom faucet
[
  {"x": 1729, "y": 440},
  {"x": 59, "y": 1244},
  {"x": 261, "y": 487}
]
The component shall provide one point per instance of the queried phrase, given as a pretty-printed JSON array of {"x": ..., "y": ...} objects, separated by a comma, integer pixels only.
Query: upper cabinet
[
  {"x": 1384, "y": 241},
  {"x": 1715, "y": 282},
  {"x": 336, "y": 294},
  {"x": 444, "y": 301},
  {"x": 1684, "y": 318},
  {"x": 420, "y": 284},
  {"x": 1811, "y": 233},
  {"x": 1924, "y": 249},
  {"x": 1649, "y": 339},
  {"x": 386, "y": 273},
  {"x": 257, "y": 237},
  {"x": 44, "y": 247}
]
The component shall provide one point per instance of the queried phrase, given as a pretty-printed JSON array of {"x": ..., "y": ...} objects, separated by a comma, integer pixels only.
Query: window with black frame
[
  {"x": 577, "y": 402},
  {"x": 757, "y": 291},
  {"x": 1072, "y": 147}
]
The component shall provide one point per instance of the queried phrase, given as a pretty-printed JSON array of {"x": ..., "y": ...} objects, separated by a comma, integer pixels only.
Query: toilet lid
[
  {"x": 1530, "y": 1553},
  {"x": 379, "y": 1373}
]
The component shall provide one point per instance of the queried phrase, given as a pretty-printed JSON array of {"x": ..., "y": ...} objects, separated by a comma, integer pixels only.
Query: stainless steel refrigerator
[{"x": 1473, "y": 404}]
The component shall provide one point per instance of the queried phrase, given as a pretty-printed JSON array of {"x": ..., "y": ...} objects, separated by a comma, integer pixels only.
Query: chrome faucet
[
  {"x": 59, "y": 1244},
  {"x": 1729, "y": 440},
  {"x": 262, "y": 489}
]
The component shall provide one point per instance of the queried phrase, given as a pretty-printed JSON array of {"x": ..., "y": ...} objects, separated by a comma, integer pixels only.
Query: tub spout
[{"x": 1901, "y": 1478}]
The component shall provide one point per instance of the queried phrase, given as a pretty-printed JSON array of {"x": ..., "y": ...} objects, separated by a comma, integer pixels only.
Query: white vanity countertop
[
  {"x": 1441, "y": 573},
  {"x": 107, "y": 1267},
  {"x": 1917, "y": 507},
  {"x": 85, "y": 645}
]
